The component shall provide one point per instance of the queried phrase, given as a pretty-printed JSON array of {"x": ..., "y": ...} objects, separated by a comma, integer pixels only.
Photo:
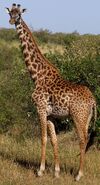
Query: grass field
[{"x": 19, "y": 162}]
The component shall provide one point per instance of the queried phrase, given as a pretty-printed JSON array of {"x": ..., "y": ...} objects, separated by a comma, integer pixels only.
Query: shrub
[{"x": 8, "y": 34}]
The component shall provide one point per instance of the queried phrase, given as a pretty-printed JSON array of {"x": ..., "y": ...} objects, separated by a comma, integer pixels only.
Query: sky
[{"x": 65, "y": 16}]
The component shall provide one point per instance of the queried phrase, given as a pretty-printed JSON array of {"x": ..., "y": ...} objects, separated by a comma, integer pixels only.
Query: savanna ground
[
  {"x": 78, "y": 59},
  {"x": 19, "y": 162}
]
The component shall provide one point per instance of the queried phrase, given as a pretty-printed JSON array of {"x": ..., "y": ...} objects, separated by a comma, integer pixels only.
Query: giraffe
[{"x": 53, "y": 96}]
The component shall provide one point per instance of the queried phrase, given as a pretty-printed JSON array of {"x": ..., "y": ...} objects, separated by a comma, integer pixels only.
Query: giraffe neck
[{"x": 38, "y": 66}]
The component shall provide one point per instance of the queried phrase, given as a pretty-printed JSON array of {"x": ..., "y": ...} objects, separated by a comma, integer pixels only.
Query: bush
[
  {"x": 15, "y": 90},
  {"x": 8, "y": 34}
]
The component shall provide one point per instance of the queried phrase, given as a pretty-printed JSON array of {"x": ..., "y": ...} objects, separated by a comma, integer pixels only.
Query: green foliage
[
  {"x": 45, "y": 36},
  {"x": 8, "y": 34},
  {"x": 42, "y": 35},
  {"x": 15, "y": 90}
]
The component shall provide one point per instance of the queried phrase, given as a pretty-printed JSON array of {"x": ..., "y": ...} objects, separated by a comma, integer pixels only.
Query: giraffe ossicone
[{"x": 53, "y": 96}]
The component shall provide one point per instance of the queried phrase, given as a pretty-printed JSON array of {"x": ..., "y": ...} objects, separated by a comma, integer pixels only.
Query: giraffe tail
[
  {"x": 95, "y": 115},
  {"x": 92, "y": 130}
]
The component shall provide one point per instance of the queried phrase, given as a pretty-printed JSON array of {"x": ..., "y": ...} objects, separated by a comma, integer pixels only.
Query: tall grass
[{"x": 19, "y": 162}]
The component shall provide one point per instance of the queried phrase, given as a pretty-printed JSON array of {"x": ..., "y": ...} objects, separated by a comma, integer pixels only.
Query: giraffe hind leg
[
  {"x": 82, "y": 133},
  {"x": 82, "y": 120},
  {"x": 53, "y": 138},
  {"x": 89, "y": 134},
  {"x": 82, "y": 155}
]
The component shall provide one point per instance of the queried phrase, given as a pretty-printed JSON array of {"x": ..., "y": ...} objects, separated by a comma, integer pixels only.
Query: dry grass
[
  {"x": 53, "y": 48},
  {"x": 44, "y": 48},
  {"x": 19, "y": 162}
]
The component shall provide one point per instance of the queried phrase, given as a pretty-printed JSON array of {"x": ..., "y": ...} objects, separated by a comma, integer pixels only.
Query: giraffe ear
[
  {"x": 7, "y": 10},
  {"x": 23, "y": 10}
]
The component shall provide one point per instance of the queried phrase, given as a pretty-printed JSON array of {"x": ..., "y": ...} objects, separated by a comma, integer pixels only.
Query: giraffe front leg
[
  {"x": 43, "y": 143},
  {"x": 53, "y": 137}
]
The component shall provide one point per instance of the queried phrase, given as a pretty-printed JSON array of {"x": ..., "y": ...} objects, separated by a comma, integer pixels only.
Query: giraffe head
[{"x": 15, "y": 13}]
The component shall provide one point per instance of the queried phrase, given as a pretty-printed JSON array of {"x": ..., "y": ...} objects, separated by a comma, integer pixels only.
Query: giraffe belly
[{"x": 57, "y": 111}]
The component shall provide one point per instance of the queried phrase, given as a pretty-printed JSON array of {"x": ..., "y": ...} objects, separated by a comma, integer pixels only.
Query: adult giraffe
[{"x": 53, "y": 96}]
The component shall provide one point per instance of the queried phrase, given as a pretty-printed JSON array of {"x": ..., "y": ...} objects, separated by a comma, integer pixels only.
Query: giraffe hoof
[
  {"x": 57, "y": 174},
  {"x": 40, "y": 173},
  {"x": 80, "y": 174}
]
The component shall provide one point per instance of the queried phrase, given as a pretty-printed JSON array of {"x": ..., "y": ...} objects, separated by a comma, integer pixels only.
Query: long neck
[{"x": 36, "y": 63}]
